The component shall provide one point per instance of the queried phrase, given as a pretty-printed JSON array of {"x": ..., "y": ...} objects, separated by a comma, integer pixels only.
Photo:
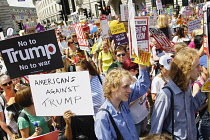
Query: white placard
[
  {"x": 195, "y": 24},
  {"x": 104, "y": 26},
  {"x": 75, "y": 17},
  {"x": 159, "y": 4},
  {"x": 53, "y": 94},
  {"x": 124, "y": 12}
]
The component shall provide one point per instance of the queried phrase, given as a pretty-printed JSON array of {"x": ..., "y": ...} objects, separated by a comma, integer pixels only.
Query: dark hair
[
  {"x": 120, "y": 48},
  {"x": 180, "y": 32},
  {"x": 87, "y": 66},
  {"x": 129, "y": 65},
  {"x": 198, "y": 40},
  {"x": 23, "y": 97}
]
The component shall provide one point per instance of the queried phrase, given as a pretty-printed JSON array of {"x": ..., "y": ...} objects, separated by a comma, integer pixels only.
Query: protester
[
  {"x": 6, "y": 99},
  {"x": 161, "y": 79},
  {"x": 105, "y": 58},
  {"x": 121, "y": 56},
  {"x": 27, "y": 129},
  {"x": 184, "y": 68},
  {"x": 120, "y": 92},
  {"x": 182, "y": 35},
  {"x": 96, "y": 83},
  {"x": 139, "y": 108},
  {"x": 163, "y": 26}
]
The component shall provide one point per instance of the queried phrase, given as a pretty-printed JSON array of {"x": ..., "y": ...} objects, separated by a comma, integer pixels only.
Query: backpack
[{"x": 16, "y": 110}]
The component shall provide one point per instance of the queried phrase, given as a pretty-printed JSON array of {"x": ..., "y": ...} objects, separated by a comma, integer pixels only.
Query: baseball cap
[
  {"x": 203, "y": 61},
  {"x": 165, "y": 61}
]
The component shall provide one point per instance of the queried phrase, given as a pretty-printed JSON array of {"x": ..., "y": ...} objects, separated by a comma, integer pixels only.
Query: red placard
[{"x": 80, "y": 35}]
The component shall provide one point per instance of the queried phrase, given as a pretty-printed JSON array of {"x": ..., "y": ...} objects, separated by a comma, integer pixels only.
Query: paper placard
[
  {"x": 143, "y": 59},
  {"x": 195, "y": 24},
  {"x": 118, "y": 28},
  {"x": 31, "y": 54},
  {"x": 53, "y": 94},
  {"x": 104, "y": 26},
  {"x": 142, "y": 33}
]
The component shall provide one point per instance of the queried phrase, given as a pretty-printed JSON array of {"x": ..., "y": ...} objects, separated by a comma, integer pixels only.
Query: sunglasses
[
  {"x": 123, "y": 54},
  {"x": 8, "y": 83}
]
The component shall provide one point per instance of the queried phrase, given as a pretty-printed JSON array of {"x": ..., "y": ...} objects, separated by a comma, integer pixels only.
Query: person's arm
[
  {"x": 160, "y": 112},
  {"x": 141, "y": 86},
  {"x": 195, "y": 89},
  {"x": 2, "y": 117},
  {"x": 25, "y": 132},
  {"x": 7, "y": 130},
  {"x": 68, "y": 131}
]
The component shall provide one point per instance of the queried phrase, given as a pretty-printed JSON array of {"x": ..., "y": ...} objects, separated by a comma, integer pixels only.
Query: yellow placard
[
  {"x": 118, "y": 28},
  {"x": 206, "y": 86},
  {"x": 143, "y": 59}
]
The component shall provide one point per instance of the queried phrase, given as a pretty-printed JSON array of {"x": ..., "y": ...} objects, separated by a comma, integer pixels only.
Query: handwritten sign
[
  {"x": 53, "y": 94},
  {"x": 195, "y": 24},
  {"x": 104, "y": 26},
  {"x": 161, "y": 39},
  {"x": 142, "y": 33},
  {"x": 83, "y": 43},
  {"x": 31, "y": 54}
]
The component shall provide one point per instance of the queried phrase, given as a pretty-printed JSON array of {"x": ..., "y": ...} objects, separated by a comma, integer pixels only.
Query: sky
[{"x": 26, "y": 3}]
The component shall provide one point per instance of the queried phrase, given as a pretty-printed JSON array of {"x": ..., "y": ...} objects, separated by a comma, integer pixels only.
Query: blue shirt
[
  {"x": 97, "y": 92},
  {"x": 184, "y": 107},
  {"x": 123, "y": 119}
]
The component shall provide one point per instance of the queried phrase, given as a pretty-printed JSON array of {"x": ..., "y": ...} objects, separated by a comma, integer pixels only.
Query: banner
[
  {"x": 31, "y": 54},
  {"x": 159, "y": 4},
  {"x": 124, "y": 12},
  {"x": 49, "y": 136},
  {"x": 61, "y": 92},
  {"x": 161, "y": 39},
  {"x": 142, "y": 33},
  {"x": 195, "y": 24},
  {"x": 83, "y": 43},
  {"x": 104, "y": 26}
]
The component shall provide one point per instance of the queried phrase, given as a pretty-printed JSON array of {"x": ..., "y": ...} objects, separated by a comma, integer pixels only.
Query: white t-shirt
[
  {"x": 157, "y": 84},
  {"x": 176, "y": 39}
]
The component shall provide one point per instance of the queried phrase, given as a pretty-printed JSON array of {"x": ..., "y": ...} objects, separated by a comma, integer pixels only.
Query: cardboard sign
[
  {"x": 142, "y": 33},
  {"x": 118, "y": 28},
  {"x": 206, "y": 86},
  {"x": 161, "y": 39},
  {"x": 143, "y": 59},
  {"x": 83, "y": 43},
  {"x": 195, "y": 24},
  {"x": 104, "y": 26},
  {"x": 124, "y": 12},
  {"x": 120, "y": 39},
  {"x": 31, "y": 54},
  {"x": 61, "y": 92},
  {"x": 49, "y": 136}
]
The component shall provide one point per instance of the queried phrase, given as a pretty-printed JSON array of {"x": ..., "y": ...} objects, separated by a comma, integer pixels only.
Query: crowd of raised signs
[{"x": 150, "y": 110}]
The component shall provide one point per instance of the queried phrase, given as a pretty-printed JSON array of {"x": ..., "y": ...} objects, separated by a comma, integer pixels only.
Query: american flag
[{"x": 144, "y": 8}]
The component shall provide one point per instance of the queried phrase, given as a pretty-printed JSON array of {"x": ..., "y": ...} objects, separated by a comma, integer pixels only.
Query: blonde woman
[
  {"x": 164, "y": 26},
  {"x": 105, "y": 58},
  {"x": 184, "y": 69}
]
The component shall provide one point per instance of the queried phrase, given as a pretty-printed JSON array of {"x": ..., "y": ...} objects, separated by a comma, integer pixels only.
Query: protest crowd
[{"x": 145, "y": 81}]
